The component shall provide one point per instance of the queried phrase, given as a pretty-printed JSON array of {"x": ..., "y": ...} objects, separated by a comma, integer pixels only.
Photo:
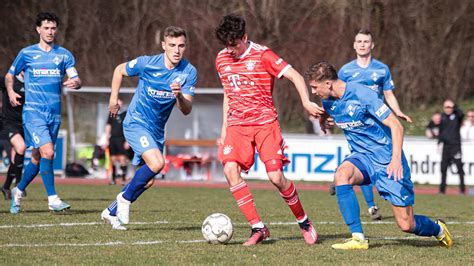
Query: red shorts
[{"x": 240, "y": 143}]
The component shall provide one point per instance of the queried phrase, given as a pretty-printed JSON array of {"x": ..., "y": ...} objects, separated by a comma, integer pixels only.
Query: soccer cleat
[
  {"x": 309, "y": 233},
  {"x": 112, "y": 220},
  {"x": 59, "y": 207},
  {"x": 258, "y": 235},
  {"x": 446, "y": 240},
  {"x": 123, "y": 209},
  {"x": 374, "y": 213},
  {"x": 15, "y": 201},
  {"x": 353, "y": 243},
  {"x": 7, "y": 193},
  {"x": 332, "y": 189}
]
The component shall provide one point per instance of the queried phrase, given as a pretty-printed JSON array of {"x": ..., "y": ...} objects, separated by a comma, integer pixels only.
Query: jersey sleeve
[
  {"x": 136, "y": 66},
  {"x": 190, "y": 82},
  {"x": 109, "y": 121},
  {"x": 70, "y": 66},
  {"x": 274, "y": 64},
  {"x": 388, "y": 82},
  {"x": 341, "y": 74},
  {"x": 375, "y": 106},
  {"x": 18, "y": 65}
]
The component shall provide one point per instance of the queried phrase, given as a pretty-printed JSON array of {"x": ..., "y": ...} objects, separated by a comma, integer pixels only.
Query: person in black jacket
[
  {"x": 450, "y": 137},
  {"x": 12, "y": 130}
]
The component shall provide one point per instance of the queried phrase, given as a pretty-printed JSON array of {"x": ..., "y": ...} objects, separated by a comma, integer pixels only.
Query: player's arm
[
  {"x": 393, "y": 103},
  {"x": 300, "y": 85},
  {"x": 12, "y": 95},
  {"x": 184, "y": 101},
  {"x": 395, "y": 166},
  {"x": 119, "y": 73}
]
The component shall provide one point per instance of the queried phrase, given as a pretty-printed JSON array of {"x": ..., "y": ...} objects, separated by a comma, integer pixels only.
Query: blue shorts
[
  {"x": 40, "y": 128},
  {"x": 141, "y": 140},
  {"x": 399, "y": 193}
]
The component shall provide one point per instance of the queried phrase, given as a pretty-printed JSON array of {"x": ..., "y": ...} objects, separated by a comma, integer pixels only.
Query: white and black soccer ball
[{"x": 217, "y": 228}]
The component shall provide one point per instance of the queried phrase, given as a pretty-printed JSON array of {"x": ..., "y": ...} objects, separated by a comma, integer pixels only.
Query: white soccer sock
[
  {"x": 302, "y": 220},
  {"x": 258, "y": 225},
  {"x": 441, "y": 232},
  {"x": 53, "y": 200},
  {"x": 359, "y": 235}
]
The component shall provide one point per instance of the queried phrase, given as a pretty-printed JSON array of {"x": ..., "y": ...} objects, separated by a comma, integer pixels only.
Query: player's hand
[
  {"x": 126, "y": 146},
  {"x": 72, "y": 83},
  {"x": 326, "y": 122},
  {"x": 176, "y": 88},
  {"x": 405, "y": 117},
  {"x": 395, "y": 169},
  {"x": 13, "y": 97},
  {"x": 114, "y": 107},
  {"x": 313, "y": 109}
]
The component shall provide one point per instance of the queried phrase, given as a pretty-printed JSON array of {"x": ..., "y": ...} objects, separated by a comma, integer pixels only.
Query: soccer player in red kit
[{"x": 247, "y": 71}]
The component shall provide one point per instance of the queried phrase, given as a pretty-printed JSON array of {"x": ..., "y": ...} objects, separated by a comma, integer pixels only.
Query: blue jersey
[
  {"x": 153, "y": 101},
  {"x": 44, "y": 74},
  {"x": 359, "y": 113},
  {"x": 376, "y": 76}
]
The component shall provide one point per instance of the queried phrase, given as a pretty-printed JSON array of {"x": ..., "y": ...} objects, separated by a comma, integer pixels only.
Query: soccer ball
[{"x": 217, "y": 228}]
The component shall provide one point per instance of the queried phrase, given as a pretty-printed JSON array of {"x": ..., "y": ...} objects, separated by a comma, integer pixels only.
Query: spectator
[
  {"x": 432, "y": 129},
  {"x": 467, "y": 129},
  {"x": 450, "y": 137}
]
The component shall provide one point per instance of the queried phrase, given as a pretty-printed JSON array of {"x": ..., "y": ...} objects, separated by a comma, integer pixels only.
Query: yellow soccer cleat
[
  {"x": 446, "y": 240},
  {"x": 352, "y": 244}
]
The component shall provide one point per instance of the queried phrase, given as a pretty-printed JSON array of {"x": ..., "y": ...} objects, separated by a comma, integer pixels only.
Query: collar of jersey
[{"x": 246, "y": 51}]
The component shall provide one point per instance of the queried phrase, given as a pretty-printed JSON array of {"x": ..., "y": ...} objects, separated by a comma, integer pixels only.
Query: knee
[
  {"x": 157, "y": 165},
  {"x": 278, "y": 179},
  {"x": 47, "y": 154},
  {"x": 405, "y": 225},
  {"x": 232, "y": 173},
  {"x": 20, "y": 149},
  {"x": 341, "y": 178}
]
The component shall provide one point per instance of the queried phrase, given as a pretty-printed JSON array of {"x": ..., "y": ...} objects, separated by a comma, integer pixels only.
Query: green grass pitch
[{"x": 166, "y": 229}]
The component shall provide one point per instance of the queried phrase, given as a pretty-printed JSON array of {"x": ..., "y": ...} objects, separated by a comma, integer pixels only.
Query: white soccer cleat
[
  {"x": 123, "y": 209},
  {"x": 374, "y": 213},
  {"x": 112, "y": 220},
  {"x": 15, "y": 201}
]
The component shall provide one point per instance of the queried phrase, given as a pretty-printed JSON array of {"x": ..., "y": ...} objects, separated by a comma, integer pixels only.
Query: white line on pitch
[
  {"x": 159, "y": 242},
  {"x": 180, "y": 222}
]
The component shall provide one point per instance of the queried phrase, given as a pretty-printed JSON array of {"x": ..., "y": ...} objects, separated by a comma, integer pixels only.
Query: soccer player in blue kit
[
  {"x": 44, "y": 64},
  {"x": 164, "y": 80},
  {"x": 375, "y": 138},
  {"x": 375, "y": 75}
]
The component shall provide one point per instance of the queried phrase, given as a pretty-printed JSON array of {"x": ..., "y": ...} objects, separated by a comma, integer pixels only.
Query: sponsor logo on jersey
[
  {"x": 132, "y": 63},
  {"x": 227, "y": 149},
  {"x": 227, "y": 69},
  {"x": 56, "y": 60},
  {"x": 384, "y": 108},
  {"x": 374, "y": 87},
  {"x": 350, "y": 125},
  {"x": 356, "y": 74},
  {"x": 159, "y": 93},
  {"x": 157, "y": 74},
  {"x": 36, "y": 56},
  {"x": 45, "y": 72}
]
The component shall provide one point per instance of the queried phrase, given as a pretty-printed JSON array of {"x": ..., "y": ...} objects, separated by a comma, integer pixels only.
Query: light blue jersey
[
  {"x": 44, "y": 74},
  {"x": 151, "y": 106},
  {"x": 360, "y": 113},
  {"x": 376, "y": 76}
]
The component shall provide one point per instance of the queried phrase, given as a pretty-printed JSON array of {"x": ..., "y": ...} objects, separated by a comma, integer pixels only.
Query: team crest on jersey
[
  {"x": 250, "y": 65},
  {"x": 56, "y": 60},
  {"x": 227, "y": 150},
  {"x": 374, "y": 76},
  {"x": 350, "y": 109}
]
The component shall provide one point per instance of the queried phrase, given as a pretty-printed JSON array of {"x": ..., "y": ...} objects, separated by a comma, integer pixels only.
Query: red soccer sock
[
  {"x": 244, "y": 200},
  {"x": 290, "y": 196}
]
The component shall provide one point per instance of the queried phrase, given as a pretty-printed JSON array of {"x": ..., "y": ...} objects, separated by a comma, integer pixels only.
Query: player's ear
[
  {"x": 38, "y": 29},
  {"x": 163, "y": 45},
  {"x": 245, "y": 37},
  {"x": 372, "y": 46}
]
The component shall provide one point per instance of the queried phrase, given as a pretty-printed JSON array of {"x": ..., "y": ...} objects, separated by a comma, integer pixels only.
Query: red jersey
[{"x": 248, "y": 83}]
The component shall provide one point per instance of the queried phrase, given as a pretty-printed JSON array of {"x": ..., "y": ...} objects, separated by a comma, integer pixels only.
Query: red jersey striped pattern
[{"x": 248, "y": 84}]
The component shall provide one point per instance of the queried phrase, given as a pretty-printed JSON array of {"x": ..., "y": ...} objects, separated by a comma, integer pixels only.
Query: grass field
[{"x": 166, "y": 229}]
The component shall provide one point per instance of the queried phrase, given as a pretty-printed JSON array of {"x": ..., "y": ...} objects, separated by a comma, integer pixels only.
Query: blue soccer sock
[
  {"x": 368, "y": 195},
  {"x": 47, "y": 174},
  {"x": 349, "y": 207},
  {"x": 138, "y": 183},
  {"x": 424, "y": 226},
  {"x": 31, "y": 170}
]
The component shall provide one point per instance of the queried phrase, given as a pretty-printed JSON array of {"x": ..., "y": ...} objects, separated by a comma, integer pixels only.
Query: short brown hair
[
  {"x": 365, "y": 32},
  {"x": 321, "y": 71},
  {"x": 173, "y": 31}
]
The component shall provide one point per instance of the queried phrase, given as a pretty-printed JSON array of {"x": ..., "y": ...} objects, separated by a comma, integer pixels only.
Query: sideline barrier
[{"x": 315, "y": 158}]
